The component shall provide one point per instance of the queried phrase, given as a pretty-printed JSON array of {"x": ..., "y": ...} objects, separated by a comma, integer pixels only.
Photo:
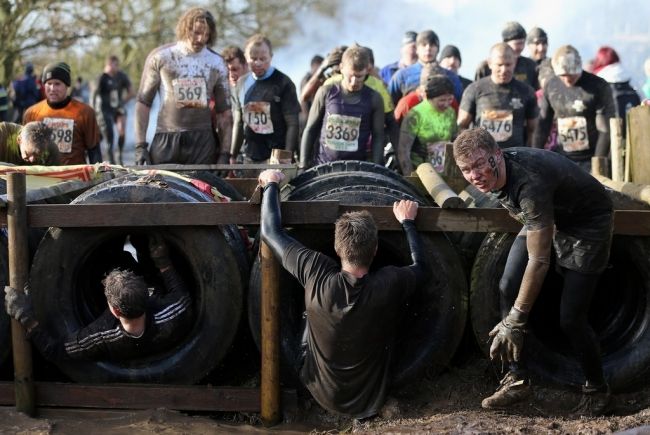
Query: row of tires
[{"x": 69, "y": 263}]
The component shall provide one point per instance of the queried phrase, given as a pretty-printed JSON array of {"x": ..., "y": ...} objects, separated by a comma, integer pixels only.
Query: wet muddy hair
[
  {"x": 257, "y": 40},
  {"x": 39, "y": 137},
  {"x": 355, "y": 238},
  {"x": 126, "y": 292},
  {"x": 233, "y": 52},
  {"x": 357, "y": 57},
  {"x": 185, "y": 24},
  {"x": 472, "y": 140}
]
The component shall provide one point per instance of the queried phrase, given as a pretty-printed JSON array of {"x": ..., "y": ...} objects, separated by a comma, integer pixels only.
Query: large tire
[
  {"x": 5, "y": 323},
  {"x": 433, "y": 324},
  {"x": 68, "y": 294},
  {"x": 341, "y": 173},
  {"x": 214, "y": 180},
  {"x": 621, "y": 318}
]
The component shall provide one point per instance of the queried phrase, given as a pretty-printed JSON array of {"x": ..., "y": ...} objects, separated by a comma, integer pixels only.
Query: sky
[{"x": 473, "y": 26}]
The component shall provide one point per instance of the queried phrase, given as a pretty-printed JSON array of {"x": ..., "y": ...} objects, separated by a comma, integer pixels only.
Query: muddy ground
[{"x": 447, "y": 403}]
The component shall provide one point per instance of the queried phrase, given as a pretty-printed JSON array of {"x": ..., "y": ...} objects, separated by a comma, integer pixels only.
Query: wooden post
[
  {"x": 270, "y": 385},
  {"x": 617, "y": 148},
  {"x": 18, "y": 273},
  {"x": 437, "y": 188},
  {"x": 599, "y": 166}
]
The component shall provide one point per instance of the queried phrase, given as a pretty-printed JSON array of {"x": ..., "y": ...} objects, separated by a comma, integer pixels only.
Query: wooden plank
[
  {"x": 293, "y": 213},
  {"x": 216, "y": 167},
  {"x": 638, "y": 120},
  {"x": 138, "y": 396}
]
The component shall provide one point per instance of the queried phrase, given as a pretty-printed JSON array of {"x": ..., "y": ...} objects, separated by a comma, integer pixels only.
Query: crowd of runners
[{"x": 523, "y": 128}]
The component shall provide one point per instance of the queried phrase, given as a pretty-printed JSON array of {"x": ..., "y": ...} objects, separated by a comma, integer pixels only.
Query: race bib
[
  {"x": 572, "y": 133},
  {"x": 114, "y": 98},
  {"x": 342, "y": 133},
  {"x": 436, "y": 153},
  {"x": 498, "y": 123},
  {"x": 62, "y": 132},
  {"x": 190, "y": 92},
  {"x": 257, "y": 116}
]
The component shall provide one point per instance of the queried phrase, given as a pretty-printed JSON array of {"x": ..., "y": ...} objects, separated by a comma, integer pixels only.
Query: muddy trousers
[{"x": 577, "y": 293}]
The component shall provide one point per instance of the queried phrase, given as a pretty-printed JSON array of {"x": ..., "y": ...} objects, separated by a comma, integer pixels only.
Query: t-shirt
[
  {"x": 75, "y": 128},
  {"x": 10, "y": 148},
  {"x": 526, "y": 71},
  {"x": 123, "y": 86},
  {"x": 575, "y": 108},
  {"x": 407, "y": 79},
  {"x": 429, "y": 126},
  {"x": 185, "y": 81},
  {"x": 501, "y": 109},
  {"x": 108, "y": 93},
  {"x": 262, "y": 106},
  {"x": 373, "y": 83},
  {"x": 544, "y": 188},
  {"x": 168, "y": 319},
  {"x": 387, "y": 72},
  {"x": 351, "y": 325}
]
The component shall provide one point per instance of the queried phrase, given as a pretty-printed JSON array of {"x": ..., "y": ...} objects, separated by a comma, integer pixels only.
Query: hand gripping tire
[
  {"x": 431, "y": 328},
  {"x": 70, "y": 263},
  {"x": 619, "y": 313}
]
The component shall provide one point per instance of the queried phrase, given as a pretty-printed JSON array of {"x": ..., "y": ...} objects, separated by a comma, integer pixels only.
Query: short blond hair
[
  {"x": 257, "y": 40},
  {"x": 472, "y": 140}
]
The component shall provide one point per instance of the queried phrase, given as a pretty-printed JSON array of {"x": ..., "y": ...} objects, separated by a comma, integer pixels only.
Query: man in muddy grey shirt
[
  {"x": 187, "y": 75},
  {"x": 352, "y": 314}
]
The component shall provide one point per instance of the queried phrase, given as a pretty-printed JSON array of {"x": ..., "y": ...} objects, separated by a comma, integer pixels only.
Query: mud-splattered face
[
  {"x": 441, "y": 102},
  {"x": 198, "y": 37},
  {"x": 569, "y": 80},
  {"x": 352, "y": 79},
  {"x": 55, "y": 90},
  {"x": 259, "y": 59},
  {"x": 502, "y": 66},
  {"x": 481, "y": 169}
]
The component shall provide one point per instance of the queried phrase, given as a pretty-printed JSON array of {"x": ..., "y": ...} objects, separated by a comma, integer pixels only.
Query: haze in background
[{"x": 473, "y": 26}]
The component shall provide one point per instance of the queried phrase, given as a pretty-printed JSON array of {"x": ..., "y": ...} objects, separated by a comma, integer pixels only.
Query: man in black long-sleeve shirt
[
  {"x": 133, "y": 325},
  {"x": 352, "y": 314}
]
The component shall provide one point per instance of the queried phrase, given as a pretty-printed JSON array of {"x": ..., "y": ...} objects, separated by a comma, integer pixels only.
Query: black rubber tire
[
  {"x": 331, "y": 175},
  {"x": 621, "y": 318},
  {"x": 433, "y": 326},
  {"x": 5, "y": 321},
  {"x": 67, "y": 292}
]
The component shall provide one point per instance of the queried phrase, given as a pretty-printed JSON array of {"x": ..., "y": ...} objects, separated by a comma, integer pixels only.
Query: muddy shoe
[
  {"x": 595, "y": 401},
  {"x": 512, "y": 390}
]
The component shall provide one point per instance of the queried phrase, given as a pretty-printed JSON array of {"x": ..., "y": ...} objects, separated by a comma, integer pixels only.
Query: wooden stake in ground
[
  {"x": 270, "y": 385},
  {"x": 617, "y": 148},
  {"x": 437, "y": 188},
  {"x": 18, "y": 273}
]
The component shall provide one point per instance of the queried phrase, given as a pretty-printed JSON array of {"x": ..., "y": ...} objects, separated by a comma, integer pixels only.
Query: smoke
[{"x": 474, "y": 26}]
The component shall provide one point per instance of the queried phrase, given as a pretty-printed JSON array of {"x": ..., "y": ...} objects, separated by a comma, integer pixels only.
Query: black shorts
[
  {"x": 585, "y": 256},
  {"x": 195, "y": 147}
]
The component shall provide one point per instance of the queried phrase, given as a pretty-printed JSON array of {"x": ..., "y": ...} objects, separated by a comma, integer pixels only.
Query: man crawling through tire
[
  {"x": 134, "y": 324},
  {"x": 559, "y": 205},
  {"x": 352, "y": 313}
]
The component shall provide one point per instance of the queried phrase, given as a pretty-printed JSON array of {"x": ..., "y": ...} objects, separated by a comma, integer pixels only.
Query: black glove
[
  {"x": 19, "y": 304},
  {"x": 508, "y": 336},
  {"x": 142, "y": 154},
  {"x": 158, "y": 251}
]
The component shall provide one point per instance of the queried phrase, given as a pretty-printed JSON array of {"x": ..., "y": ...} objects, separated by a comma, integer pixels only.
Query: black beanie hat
[
  {"x": 57, "y": 70},
  {"x": 450, "y": 51},
  {"x": 513, "y": 30},
  {"x": 438, "y": 85},
  {"x": 536, "y": 34}
]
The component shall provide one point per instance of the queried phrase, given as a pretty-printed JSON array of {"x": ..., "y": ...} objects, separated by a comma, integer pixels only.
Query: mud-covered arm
[
  {"x": 420, "y": 266},
  {"x": 312, "y": 129},
  {"x": 272, "y": 232},
  {"x": 538, "y": 243}
]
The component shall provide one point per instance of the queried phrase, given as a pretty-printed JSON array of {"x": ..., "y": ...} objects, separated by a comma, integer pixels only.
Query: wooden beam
[
  {"x": 137, "y": 396},
  {"x": 270, "y": 327},
  {"x": 293, "y": 213},
  {"x": 18, "y": 273}
]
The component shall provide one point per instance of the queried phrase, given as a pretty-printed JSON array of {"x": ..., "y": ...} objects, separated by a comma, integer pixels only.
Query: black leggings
[{"x": 577, "y": 293}]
